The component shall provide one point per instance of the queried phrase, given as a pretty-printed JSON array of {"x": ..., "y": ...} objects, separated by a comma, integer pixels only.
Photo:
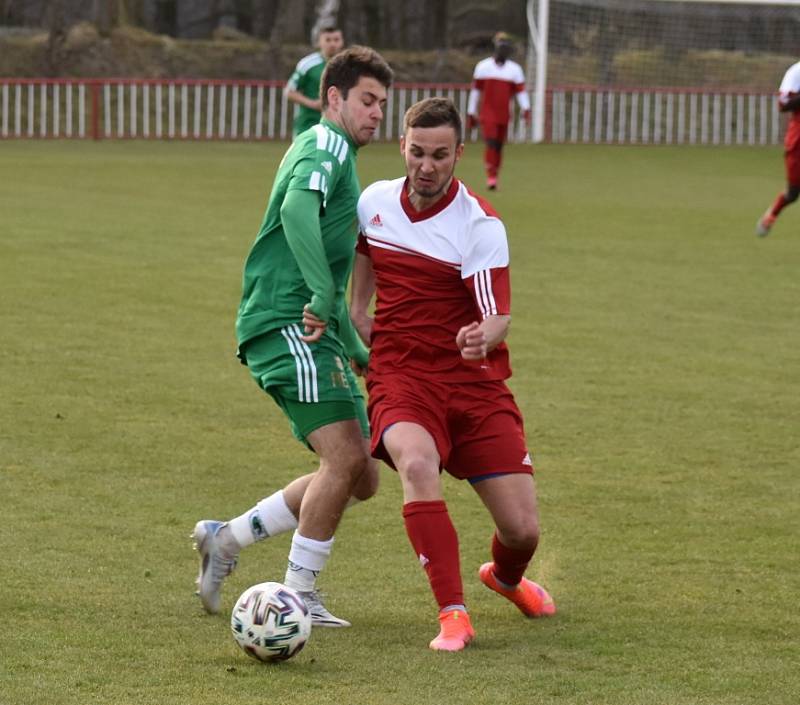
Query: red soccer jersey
[
  {"x": 790, "y": 87},
  {"x": 498, "y": 84},
  {"x": 435, "y": 271}
]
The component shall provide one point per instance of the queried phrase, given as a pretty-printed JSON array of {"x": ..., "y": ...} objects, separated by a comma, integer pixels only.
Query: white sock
[
  {"x": 307, "y": 558},
  {"x": 270, "y": 517}
]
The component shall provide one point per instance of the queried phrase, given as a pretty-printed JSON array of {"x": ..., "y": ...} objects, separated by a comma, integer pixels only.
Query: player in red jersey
[
  {"x": 436, "y": 258},
  {"x": 788, "y": 101},
  {"x": 496, "y": 81}
]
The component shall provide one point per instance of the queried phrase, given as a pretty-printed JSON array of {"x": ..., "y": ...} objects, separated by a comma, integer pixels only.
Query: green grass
[{"x": 655, "y": 347}]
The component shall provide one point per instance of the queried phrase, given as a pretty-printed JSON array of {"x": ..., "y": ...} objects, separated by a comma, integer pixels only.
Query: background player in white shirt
[
  {"x": 436, "y": 257},
  {"x": 788, "y": 102},
  {"x": 496, "y": 81}
]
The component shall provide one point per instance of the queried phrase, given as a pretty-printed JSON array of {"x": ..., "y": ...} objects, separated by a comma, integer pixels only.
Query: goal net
[
  {"x": 672, "y": 43},
  {"x": 666, "y": 70}
]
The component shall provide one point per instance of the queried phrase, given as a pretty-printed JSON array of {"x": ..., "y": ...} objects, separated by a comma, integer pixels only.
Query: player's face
[
  {"x": 503, "y": 51},
  {"x": 330, "y": 43},
  {"x": 431, "y": 154},
  {"x": 361, "y": 112}
]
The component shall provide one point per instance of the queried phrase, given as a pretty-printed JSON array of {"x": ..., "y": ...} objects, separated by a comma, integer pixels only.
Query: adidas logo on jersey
[
  {"x": 327, "y": 166},
  {"x": 376, "y": 221}
]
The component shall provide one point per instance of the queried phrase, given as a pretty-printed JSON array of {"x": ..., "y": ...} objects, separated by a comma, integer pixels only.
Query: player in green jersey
[
  {"x": 303, "y": 85},
  {"x": 296, "y": 337}
]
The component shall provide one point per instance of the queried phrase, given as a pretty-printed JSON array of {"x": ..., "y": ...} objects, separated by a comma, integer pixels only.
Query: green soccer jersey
[
  {"x": 306, "y": 80},
  {"x": 310, "y": 261}
]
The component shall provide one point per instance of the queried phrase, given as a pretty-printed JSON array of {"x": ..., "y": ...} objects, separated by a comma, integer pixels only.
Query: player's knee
[
  {"x": 418, "y": 471},
  {"x": 522, "y": 535},
  {"x": 351, "y": 462},
  {"x": 792, "y": 192},
  {"x": 367, "y": 485}
]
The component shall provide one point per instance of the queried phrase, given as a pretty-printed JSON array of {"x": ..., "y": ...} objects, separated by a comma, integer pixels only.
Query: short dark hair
[
  {"x": 328, "y": 28},
  {"x": 433, "y": 112},
  {"x": 348, "y": 66},
  {"x": 502, "y": 38}
]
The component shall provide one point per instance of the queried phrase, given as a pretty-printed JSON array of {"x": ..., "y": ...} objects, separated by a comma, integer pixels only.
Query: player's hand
[
  {"x": 471, "y": 341},
  {"x": 526, "y": 116},
  {"x": 472, "y": 123},
  {"x": 313, "y": 326},
  {"x": 358, "y": 369}
]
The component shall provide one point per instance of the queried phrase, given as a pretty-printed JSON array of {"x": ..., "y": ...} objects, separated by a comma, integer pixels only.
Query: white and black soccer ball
[{"x": 271, "y": 622}]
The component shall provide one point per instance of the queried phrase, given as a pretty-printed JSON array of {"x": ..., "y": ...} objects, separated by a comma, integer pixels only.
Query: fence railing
[
  {"x": 258, "y": 110},
  {"x": 663, "y": 116}
]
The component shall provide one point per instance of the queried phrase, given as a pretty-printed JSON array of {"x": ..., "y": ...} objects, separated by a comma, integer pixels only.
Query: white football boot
[
  {"x": 320, "y": 617},
  {"x": 215, "y": 564}
]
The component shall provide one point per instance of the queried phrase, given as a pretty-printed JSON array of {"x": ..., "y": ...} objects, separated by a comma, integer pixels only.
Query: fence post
[{"x": 95, "y": 116}]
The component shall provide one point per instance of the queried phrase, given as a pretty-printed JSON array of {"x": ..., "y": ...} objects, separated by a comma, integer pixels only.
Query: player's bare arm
[
  {"x": 477, "y": 340},
  {"x": 298, "y": 97},
  {"x": 362, "y": 284}
]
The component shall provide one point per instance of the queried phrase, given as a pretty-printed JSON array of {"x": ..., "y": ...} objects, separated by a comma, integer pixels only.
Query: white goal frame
[{"x": 538, "y": 15}]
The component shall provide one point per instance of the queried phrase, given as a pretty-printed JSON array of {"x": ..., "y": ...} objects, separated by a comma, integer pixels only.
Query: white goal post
[{"x": 682, "y": 71}]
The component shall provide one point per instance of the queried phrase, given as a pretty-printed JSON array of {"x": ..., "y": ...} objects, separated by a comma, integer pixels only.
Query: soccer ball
[{"x": 271, "y": 622}]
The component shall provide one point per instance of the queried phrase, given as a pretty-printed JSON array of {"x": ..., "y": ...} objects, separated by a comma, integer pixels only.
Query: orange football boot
[
  {"x": 455, "y": 633},
  {"x": 765, "y": 223},
  {"x": 531, "y": 599}
]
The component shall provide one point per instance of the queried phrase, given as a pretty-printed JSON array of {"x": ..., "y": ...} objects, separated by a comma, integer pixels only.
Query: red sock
[
  {"x": 491, "y": 159},
  {"x": 779, "y": 204},
  {"x": 435, "y": 542},
  {"x": 509, "y": 563}
]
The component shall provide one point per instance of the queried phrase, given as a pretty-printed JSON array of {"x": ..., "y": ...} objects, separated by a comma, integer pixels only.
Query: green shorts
[{"x": 312, "y": 383}]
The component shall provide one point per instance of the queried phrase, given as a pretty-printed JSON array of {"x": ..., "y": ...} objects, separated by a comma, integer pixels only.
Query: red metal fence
[{"x": 258, "y": 110}]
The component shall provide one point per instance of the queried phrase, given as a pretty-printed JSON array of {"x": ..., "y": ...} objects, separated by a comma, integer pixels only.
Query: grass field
[{"x": 656, "y": 348}]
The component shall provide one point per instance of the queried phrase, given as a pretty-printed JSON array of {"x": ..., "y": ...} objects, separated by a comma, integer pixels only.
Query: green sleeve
[
  {"x": 294, "y": 80},
  {"x": 353, "y": 346},
  {"x": 300, "y": 218}
]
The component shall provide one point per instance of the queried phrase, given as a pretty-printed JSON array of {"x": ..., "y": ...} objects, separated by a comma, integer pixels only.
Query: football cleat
[
  {"x": 455, "y": 631},
  {"x": 320, "y": 617},
  {"x": 531, "y": 599},
  {"x": 215, "y": 564},
  {"x": 764, "y": 224}
]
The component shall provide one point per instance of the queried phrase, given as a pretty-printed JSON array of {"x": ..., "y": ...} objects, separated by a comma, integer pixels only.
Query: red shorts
[
  {"x": 494, "y": 131},
  {"x": 792, "y": 160},
  {"x": 477, "y": 426}
]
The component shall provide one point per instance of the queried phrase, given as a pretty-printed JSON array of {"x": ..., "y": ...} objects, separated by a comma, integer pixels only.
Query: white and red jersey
[
  {"x": 497, "y": 84},
  {"x": 435, "y": 271},
  {"x": 790, "y": 87}
]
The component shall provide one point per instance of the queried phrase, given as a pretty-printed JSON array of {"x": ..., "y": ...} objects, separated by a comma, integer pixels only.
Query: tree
[{"x": 55, "y": 21}]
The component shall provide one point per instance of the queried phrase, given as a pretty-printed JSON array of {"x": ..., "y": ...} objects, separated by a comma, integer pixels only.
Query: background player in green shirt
[
  {"x": 296, "y": 337},
  {"x": 303, "y": 85}
]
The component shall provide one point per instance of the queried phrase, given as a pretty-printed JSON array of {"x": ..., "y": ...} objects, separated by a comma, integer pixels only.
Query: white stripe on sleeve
[
  {"x": 342, "y": 152},
  {"x": 322, "y": 136},
  {"x": 484, "y": 293}
]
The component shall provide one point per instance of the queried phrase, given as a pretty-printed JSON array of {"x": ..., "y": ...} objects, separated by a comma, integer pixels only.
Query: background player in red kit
[
  {"x": 436, "y": 257},
  {"x": 788, "y": 101},
  {"x": 496, "y": 81}
]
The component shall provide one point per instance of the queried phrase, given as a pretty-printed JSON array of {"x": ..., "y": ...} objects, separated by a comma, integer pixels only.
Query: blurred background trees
[{"x": 411, "y": 25}]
